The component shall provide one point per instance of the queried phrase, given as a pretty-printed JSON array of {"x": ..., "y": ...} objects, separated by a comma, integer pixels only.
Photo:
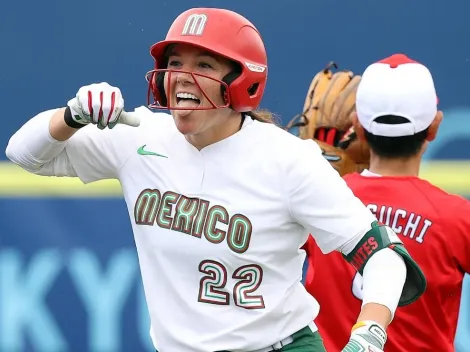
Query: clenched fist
[
  {"x": 366, "y": 336},
  {"x": 102, "y": 105}
]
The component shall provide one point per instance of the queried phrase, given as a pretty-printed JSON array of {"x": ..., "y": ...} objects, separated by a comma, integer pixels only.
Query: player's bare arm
[
  {"x": 58, "y": 129},
  {"x": 375, "y": 312}
]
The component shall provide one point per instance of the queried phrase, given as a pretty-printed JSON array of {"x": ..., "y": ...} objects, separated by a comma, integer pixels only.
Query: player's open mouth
[{"x": 187, "y": 100}]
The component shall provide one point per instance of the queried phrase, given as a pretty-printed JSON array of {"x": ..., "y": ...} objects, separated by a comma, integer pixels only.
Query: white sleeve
[
  {"x": 320, "y": 200},
  {"x": 377, "y": 287},
  {"x": 384, "y": 289},
  {"x": 90, "y": 154}
]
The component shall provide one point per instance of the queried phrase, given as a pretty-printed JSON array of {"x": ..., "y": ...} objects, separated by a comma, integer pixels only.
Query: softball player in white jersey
[{"x": 220, "y": 200}]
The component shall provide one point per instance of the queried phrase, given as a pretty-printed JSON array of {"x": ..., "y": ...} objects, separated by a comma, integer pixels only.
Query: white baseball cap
[{"x": 396, "y": 86}]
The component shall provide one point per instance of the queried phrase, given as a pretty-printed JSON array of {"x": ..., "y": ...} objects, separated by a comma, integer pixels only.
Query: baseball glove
[
  {"x": 338, "y": 158},
  {"x": 326, "y": 117}
]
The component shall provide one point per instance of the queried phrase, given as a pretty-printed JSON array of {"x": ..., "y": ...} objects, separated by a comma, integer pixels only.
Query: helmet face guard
[
  {"x": 157, "y": 98},
  {"x": 221, "y": 32}
]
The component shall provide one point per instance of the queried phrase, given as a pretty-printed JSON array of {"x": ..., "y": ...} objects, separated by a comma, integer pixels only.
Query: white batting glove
[
  {"x": 100, "y": 104},
  {"x": 366, "y": 336}
]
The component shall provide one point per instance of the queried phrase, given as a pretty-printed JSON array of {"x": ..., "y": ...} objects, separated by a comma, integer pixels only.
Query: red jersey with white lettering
[{"x": 435, "y": 228}]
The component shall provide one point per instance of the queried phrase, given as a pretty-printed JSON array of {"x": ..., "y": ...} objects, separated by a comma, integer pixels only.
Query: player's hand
[
  {"x": 367, "y": 336},
  {"x": 102, "y": 105}
]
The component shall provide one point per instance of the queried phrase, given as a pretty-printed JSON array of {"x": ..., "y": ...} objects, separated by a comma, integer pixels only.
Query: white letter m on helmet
[{"x": 195, "y": 25}]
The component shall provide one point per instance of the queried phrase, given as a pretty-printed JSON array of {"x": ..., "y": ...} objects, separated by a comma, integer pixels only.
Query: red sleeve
[
  {"x": 462, "y": 242},
  {"x": 309, "y": 248}
]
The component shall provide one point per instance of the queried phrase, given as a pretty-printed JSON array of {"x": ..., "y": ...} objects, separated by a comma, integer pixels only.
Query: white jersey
[{"x": 218, "y": 231}]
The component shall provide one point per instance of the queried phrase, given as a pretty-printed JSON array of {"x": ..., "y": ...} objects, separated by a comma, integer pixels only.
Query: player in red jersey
[{"x": 397, "y": 116}]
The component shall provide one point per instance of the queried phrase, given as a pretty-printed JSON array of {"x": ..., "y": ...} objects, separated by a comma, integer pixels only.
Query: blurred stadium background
[{"x": 69, "y": 278}]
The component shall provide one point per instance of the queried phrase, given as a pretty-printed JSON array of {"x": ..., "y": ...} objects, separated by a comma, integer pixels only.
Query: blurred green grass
[{"x": 452, "y": 176}]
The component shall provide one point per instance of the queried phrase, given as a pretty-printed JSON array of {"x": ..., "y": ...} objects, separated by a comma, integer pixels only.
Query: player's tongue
[
  {"x": 187, "y": 103},
  {"x": 184, "y": 100}
]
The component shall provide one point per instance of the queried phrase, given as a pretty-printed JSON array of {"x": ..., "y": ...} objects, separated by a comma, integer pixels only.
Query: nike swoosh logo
[{"x": 142, "y": 151}]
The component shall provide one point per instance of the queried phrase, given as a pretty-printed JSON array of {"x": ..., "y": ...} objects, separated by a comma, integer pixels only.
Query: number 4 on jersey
[{"x": 212, "y": 285}]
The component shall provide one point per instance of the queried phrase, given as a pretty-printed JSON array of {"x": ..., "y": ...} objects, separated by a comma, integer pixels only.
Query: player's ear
[
  {"x": 357, "y": 127},
  {"x": 432, "y": 132}
]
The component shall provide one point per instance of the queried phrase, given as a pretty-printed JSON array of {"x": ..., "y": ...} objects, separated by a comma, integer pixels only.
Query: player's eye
[
  {"x": 204, "y": 65},
  {"x": 174, "y": 63}
]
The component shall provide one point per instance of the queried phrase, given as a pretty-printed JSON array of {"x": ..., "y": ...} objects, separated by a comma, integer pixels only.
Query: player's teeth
[{"x": 186, "y": 96}]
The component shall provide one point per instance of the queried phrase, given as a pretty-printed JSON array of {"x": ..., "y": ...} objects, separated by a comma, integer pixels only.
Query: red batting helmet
[{"x": 222, "y": 32}]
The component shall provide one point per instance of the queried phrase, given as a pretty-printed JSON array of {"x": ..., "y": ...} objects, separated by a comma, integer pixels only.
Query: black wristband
[{"x": 70, "y": 121}]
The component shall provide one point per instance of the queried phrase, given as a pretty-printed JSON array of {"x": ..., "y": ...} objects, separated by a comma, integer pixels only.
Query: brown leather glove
[
  {"x": 338, "y": 158},
  {"x": 329, "y": 104}
]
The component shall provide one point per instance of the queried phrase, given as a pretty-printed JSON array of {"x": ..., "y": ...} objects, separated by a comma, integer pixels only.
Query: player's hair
[
  {"x": 395, "y": 147},
  {"x": 263, "y": 115}
]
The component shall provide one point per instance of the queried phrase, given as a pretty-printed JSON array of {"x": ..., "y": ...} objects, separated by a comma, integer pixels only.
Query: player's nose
[{"x": 184, "y": 77}]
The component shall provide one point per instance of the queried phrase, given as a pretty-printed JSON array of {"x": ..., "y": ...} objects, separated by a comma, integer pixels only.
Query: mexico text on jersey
[{"x": 192, "y": 216}]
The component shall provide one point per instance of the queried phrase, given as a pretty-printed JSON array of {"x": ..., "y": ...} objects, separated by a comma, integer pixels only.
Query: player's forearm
[
  {"x": 58, "y": 129},
  {"x": 33, "y": 145},
  {"x": 384, "y": 277},
  {"x": 376, "y": 312}
]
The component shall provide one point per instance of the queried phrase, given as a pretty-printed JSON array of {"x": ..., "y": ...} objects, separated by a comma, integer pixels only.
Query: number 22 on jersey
[{"x": 212, "y": 285}]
